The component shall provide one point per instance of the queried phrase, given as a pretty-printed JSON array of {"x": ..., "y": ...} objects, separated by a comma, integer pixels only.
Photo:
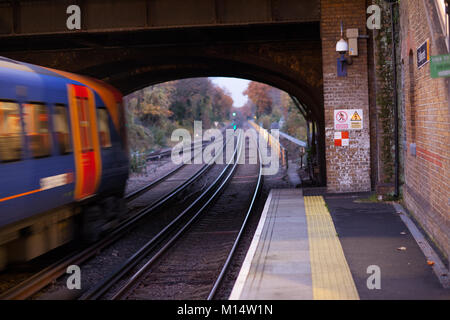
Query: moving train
[{"x": 63, "y": 159}]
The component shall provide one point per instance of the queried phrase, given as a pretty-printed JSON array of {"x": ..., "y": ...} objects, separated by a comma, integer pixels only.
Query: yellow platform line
[{"x": 331, "y": 277}]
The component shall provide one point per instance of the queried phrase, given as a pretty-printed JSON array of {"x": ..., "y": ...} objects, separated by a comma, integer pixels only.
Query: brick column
[{"x": 348, "y": 168}]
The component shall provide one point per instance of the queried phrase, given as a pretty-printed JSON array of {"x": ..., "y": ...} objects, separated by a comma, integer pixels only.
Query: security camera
[
  {"x": 342, "y": 61},
  {"x": 342, "y": 46}
]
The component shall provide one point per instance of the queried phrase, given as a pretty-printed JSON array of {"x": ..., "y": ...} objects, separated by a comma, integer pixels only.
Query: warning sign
[
  {"x": 348, "y": 119},
  {"x": 342, "y": 117},
  {"x": 355, "y": 117}
]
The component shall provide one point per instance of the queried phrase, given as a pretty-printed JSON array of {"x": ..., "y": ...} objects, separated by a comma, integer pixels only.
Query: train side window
[
  {"x": 61, "y": 128},
  {"x": 103, "y": 128},
  {"x": 85, "y": 124},
  {"x": 10, "y": 132},
  {"x": 37, "y": 129}
]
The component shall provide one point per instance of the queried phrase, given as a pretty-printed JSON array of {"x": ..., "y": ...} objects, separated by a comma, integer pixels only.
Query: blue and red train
[{"x": 63, "y": 158}]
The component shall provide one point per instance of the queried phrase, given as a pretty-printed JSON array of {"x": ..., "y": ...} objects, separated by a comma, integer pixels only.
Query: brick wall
[
  {"x": 426, "y": 189},
  {"x": 348, "y": 168}
]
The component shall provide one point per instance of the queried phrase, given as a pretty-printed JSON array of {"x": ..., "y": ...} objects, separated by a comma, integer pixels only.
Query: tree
[
  {"x": 248, "y": 110},
  {"x": 258, "y": 93},
  {"x": 295, "y": 123},
  {"x": 155, "y": 105},
  {"x": 222, "y": 104},
  {"x": 154, "y": 112}
]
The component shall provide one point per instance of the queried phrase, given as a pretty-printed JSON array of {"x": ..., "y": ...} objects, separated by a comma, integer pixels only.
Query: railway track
[
  {"x": 161, "y": 154},
  {"x": 40, "y": 280},
  {"x": 136, "y": 193},
  {"x": 166, "y": 256}
]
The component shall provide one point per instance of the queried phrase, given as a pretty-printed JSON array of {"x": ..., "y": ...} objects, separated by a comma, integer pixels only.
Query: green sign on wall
[{"x": 440, "y": 66}]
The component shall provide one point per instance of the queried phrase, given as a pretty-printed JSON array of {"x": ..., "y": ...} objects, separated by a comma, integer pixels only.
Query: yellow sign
[{"x": 355, "y": 117}]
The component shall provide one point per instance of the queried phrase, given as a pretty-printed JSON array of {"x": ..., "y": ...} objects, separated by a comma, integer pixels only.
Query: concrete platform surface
[
  {"x": 295, "y": 253},
  {"x": 335, "y": 247}
]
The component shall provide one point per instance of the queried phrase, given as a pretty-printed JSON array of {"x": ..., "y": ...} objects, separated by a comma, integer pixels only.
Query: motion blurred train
[{"x": 63, "y": 159}]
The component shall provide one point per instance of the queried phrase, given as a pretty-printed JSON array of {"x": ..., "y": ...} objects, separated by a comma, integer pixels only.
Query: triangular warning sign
[{"x": 355, "y": 117}]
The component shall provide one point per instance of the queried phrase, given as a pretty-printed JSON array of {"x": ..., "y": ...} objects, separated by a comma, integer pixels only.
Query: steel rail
[
  {"x": 33, "y": 284},
  {"x": 241, "y": 231},
  {"x": 133, "y": 195},
  {"x": 162, "y": 154},
  {"x": 118, "y": 274}
]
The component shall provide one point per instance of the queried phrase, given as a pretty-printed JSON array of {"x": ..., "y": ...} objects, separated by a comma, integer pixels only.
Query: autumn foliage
[
  {"x": 259, "y": 94},
  {"x": 268, "y": 105},
  {"x": 154, "y": 112}
]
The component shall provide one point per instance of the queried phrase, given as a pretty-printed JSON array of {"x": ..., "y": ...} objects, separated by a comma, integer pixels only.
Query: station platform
[{"x": 295, "y": 253}]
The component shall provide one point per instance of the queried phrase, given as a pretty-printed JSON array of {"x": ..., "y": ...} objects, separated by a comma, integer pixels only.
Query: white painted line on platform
[{"x": 243, "y": 274}]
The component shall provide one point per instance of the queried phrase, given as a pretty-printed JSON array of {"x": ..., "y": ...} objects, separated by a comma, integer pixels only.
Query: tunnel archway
[
  {"x": 287, "y": 56},
  {"x": 162, "y": 69}
]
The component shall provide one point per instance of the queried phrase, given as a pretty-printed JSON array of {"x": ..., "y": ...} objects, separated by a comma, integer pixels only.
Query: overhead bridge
[
  {"x": 28, "y": 17},
  {"x": 289, "y": 44}
]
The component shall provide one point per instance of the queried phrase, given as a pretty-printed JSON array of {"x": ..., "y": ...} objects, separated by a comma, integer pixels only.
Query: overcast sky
[{"x": 235, "y": 86}]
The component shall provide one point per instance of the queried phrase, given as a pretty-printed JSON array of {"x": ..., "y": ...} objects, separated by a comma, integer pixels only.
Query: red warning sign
[{"x": 341, "y": 116}]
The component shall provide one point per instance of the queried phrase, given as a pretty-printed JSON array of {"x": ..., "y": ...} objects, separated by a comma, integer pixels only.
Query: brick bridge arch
[
  {"x": 293, "y": 65},
  {"x": 297, "y": 55},
  {"x": 173, "y": 68}
]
